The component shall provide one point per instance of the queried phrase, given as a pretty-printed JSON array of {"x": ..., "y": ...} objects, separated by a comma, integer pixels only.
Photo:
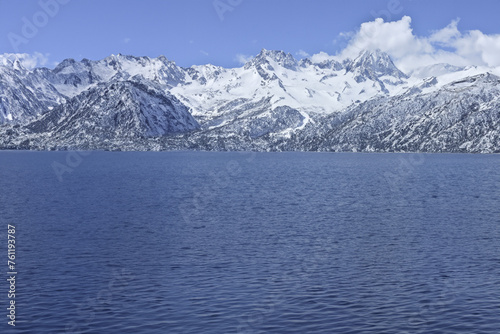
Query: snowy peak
[
  {"x": 18, "y": 66},
  {"x": 330, "y": 64},
  {"x": 265, "y": 57},
  {"x": 72, "y": 77},
  {"x": 138, "y": 108},
  {"x": 204, "y": 74},
  {"x": 12, "y": 62},
  {"x": 481, "y": 81},
  {"x": 374, "y": 65},
  {"x": 23, "y": 95},
  {"x": 160, "y": 70},
  {"x": 419, "y": 88},
  {"x": 484, "y": 78},
  {"x": 119, "y": 109},
  {"x": 436, "y": 70},
  {"x": 4, "y": 61},
  {"x": 66, "y": 65}
]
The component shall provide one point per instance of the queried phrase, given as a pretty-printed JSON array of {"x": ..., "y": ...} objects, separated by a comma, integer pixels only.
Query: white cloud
[
  {"x": 126, "y": 40},
  {"x": 410, "y": 52},
  {"x": 447, "y": 34},
  {"x": 303, "y": 54},
  {"x": 29, "y": 61},
  {"x": 205, "y": 53},
  {"x": 395, "y": 38},
  {"x": 243, "y": 59},
  {"x": 345, "y": 35},
  {"x": 321, "y": 57},
  {"x": 478, "y": 47}
]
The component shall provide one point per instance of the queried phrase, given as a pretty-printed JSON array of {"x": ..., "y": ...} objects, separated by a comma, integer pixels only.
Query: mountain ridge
[{"x": 272, "y": 102}]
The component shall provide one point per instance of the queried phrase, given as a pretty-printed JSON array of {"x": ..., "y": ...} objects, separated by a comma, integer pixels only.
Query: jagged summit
[
  {"x": 330, "y": 64},
  {"x": 280, "y": 57},
  {"x": 68, "y": 63},
  {"x": 373, "y": 65}
]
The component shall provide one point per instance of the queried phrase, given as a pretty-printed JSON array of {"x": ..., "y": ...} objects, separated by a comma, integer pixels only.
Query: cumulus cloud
[
  {"x": 447, "y": 34},
  {"x": 410, "y": 52},
  {"x": 28, "y": 61},
  {"x": 396, "y": 38},
  {"x": 479, "y": 47}
]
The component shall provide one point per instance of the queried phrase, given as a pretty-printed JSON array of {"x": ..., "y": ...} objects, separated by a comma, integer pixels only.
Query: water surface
[{"x": 253, "y": 243}]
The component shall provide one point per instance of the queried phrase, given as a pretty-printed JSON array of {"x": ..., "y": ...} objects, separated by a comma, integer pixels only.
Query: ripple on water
[{"x": 296, "y": 243}]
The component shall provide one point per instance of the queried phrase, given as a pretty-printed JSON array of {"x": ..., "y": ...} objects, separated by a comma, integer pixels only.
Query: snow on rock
[
  {"x": 113, "y": 111},
  {"x": 273, "y": 102}
]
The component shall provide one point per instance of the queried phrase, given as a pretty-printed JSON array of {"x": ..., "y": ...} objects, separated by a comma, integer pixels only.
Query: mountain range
[{"x": 274, "y": 102}]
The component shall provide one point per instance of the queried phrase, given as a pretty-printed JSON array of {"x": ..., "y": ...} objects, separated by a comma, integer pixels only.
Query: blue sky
[{"x": 216, "y": 31}]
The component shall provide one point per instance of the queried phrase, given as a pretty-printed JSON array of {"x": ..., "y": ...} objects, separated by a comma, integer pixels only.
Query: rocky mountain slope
[{"x": 272, "y": 103}]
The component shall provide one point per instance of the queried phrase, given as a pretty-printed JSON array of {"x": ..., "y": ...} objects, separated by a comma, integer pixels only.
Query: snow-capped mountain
[
  {"x": 463, "y": 116},
  {"x": 113, "y": 111},
  {"x": 376, "y": 66},
  {"x": 23, "y": 95},
  {"x": 273, "y": 102}
]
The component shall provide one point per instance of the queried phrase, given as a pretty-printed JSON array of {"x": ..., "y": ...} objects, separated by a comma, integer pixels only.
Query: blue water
[{"x": 252, "y": 243}]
